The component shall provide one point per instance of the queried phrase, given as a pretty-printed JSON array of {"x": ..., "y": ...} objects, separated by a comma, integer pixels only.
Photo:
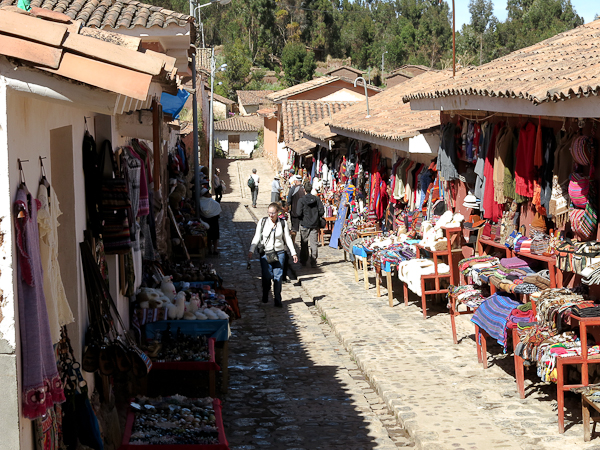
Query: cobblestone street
[{"x": 337, "y": 368}]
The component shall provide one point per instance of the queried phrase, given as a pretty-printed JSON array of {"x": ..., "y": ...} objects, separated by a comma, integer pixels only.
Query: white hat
[{"x": 203, "y": 191}]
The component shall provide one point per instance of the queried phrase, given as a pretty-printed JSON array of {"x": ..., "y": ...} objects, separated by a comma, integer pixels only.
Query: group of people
[{"x": 274, "y": 238}]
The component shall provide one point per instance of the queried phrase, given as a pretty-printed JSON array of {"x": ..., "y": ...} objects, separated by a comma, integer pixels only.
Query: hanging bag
[{"x": 115, "y": 207}]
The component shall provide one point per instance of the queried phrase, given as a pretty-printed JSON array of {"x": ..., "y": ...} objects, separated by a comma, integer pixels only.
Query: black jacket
[{"x": 310, "y": 209}]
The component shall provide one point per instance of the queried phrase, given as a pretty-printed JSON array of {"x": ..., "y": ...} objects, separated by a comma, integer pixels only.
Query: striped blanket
[{"x": 492, "y": 316}]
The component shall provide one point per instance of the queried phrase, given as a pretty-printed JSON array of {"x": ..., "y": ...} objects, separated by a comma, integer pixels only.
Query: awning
[{"x": 302, "y": 146}]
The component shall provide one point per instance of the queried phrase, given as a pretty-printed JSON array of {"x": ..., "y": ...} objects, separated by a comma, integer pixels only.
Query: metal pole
[
  {"x": 211, "y": 124},
  {"x": 196, "y": 150},
  {"x": 453, "y": 40},
  {"x": 366, "y": 93}
]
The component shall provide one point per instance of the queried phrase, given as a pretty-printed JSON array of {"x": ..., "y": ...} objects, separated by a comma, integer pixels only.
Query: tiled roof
[
  {"x": 253, "y": 97},
  {"x": 390, "y": 118},
  {"x": 302, "y": 146},
  {"x": 90, "y": 58},
  {"x": 234, "y": 124},
  {"x": 279, "y": 96},
  {"x": 351, "y": 69},
  {"x": 221, "y": 99},
  {"x": 407, "y": 70},
  {"x": 319, "y": 130},
  {"x": 269, "y": 113},
  {"x": 298, "y": 114},
  {"x": 254, "y": 120},
  {"x": 111, "y": 13},
  {"x": 565, "y": 66}
]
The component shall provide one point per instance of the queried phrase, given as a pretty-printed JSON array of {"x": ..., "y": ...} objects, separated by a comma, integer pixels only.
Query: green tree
[
  {"x": 298, "y": 64},
  {"x": 237, "y": 57},
  {"x": 481, "y": 16}
]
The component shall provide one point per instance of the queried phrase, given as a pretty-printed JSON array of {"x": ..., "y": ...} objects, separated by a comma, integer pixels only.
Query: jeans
[
  {"x": 273, "y": 272},
  {"x": 309, "y": 237},
  {"x": 254, "y": 195}
]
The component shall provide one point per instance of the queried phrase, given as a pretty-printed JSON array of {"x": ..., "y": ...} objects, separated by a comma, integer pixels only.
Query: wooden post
[
  {"x": 355, "y": 264},
  {"x": 388, "y": 276},
  {"x": 156, "y": 141},
  {"x": 366, "y": 272}
]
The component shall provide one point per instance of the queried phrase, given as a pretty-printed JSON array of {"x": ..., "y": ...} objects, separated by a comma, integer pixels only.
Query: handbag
[
  {"x": 540, "y": 243},
  {"x": 322, "y": 222},
  {"x": 79, "y": 421},
  {"x": 578, "y": 189},
  {"x": 271, "y": 256},
  {"x": 115, "y": 208}
]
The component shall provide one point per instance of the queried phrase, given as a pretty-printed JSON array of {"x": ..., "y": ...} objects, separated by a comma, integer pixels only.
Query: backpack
[{"x": 251, "y": 183}]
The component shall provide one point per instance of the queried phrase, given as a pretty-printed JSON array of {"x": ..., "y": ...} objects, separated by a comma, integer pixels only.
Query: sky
[{"x": 585, "y": 8}]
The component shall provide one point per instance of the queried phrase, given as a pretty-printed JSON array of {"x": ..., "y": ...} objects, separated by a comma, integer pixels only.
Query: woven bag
[
  {"x": 579, "y": 187},
  {"x": 582, "y": 150},
  {"x": 584, "y": 221},
  {"x": 540, "y": 243}
]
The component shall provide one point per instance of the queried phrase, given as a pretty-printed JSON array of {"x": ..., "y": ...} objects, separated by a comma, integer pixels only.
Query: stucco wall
[
  {"x": 324, "y": 91},
  {"x": 32, "y": 124},
  {"x": 270, "y": 140},
  {"x": 247, "y": 140}
]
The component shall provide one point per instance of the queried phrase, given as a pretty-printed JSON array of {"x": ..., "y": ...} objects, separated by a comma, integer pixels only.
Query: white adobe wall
[{"x": 248, "y": 140}]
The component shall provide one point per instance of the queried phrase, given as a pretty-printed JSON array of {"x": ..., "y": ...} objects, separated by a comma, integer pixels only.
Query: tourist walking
[
  {"x": 310, "y": 210},
  {"x": 276, "y": 190},
  {"x": 209, "y": 212},
  {"x": 253, "y": 185},
  {"x": 271, "y": 238},
  {"x": 218, "y": 185},
  {"x": 295, "y": 194}
]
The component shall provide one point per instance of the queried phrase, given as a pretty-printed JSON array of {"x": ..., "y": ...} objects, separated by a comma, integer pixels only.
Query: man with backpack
[
  {"x": 294, "y": 195},
  {"x": 310, "y": 210},
  {"x": 253, "y": 185}
]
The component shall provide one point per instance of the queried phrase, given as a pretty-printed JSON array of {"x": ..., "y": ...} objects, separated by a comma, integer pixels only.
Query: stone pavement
[
  {"x": 436, "y": 389},
  {"x": 307, "y": 379},
  {"x": 291, "y": 384}
]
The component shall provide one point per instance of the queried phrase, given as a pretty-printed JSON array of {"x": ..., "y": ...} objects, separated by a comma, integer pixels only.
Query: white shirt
[
  {"x": 209, "y": 207},
  {"x": 276, "y": 186},
  {"x": 273, "y": 236},
  {"x": 256, "y": 178}
]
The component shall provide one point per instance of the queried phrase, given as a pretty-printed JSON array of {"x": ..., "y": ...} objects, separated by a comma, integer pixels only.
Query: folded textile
[
  {"x": 584, "y": 310},
  {"x": 513, "y": 263},
  {"x": 492, "y": 316},
  {"x": 537, "y": 280}
]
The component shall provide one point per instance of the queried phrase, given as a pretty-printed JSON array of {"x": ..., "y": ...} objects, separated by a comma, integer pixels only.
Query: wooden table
[
  {"x": 388, "y": 277},
  {"x": 329, "y": 222},
  {"x": 549, "y": 260},
  {"x": 483, "y": 243},
  {"x": 454, "y": 313},
  {"x": 590, "y": 410}
]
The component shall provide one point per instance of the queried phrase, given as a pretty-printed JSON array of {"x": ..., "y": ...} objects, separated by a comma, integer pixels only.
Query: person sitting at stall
[
  {"x": 271, "y": 237},
  {"x": 276, "y": 190},
  {"x": 310, "y": 210},
  {"x": 209, "y": 212}
]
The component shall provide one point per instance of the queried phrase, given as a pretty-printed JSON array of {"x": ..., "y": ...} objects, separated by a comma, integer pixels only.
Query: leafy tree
[
  {"x": 298, "y": 64},
  {"x": 237, "y": 57},
  {"x": 481, "y": 15}
]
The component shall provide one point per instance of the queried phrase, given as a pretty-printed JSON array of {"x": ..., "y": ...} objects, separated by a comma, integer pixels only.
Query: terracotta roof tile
[
  {"x": 95, "y": 61},
  {"x": 351, "y": 69},
  {"x": 302, "y": 146},
  {"x": 111, "y": 13},
  {"x": 390, "y": 118},
  {"x": 253, "y": 97},
  {"x": 279, "y": 96},
  {"x": 221, "y": 99},
  {"x": 562, "y": 67},
  {"x": 297, "y": 114},
  {"x": 234, "y": 124},
  {"x": 319, "y": 130}
]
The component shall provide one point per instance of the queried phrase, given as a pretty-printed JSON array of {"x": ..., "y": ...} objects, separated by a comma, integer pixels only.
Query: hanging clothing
[
  {"x": 492, "y": 210},
  {"x": 480, "y": 165},
  {"x": 41, "y": 384},
  {"x": 447, "y": 158},
  {"x": 525, "y": 168},
  {"x": 505, "y": 139},
  {"x": 57, "y": 306}
]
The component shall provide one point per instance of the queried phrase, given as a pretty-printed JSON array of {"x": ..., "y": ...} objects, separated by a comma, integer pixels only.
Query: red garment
[
  {"x": 476, "y": 137},
  {"x": 525, "y": 169},
  {"x": 538, "y": 159},
  {"x": 492, "y": 210}
]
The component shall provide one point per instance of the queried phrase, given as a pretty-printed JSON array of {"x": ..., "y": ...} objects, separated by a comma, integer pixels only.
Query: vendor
[
  {"x": 276, "y": 190},
  {"x": 209, "y": 211}
]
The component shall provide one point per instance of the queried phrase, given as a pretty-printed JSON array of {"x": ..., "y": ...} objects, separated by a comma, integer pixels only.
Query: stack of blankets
[
  {"x": 550, "y": 336},
  {"x": 468, "y": 295},
  {"x": 511, "y": 275}
]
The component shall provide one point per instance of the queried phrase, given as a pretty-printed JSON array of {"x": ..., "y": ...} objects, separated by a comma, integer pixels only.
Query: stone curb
[{"x": 424, "y": 440}]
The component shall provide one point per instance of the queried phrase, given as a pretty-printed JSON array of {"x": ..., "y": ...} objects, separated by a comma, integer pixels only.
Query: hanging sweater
[
  {"x": 525, "y": 169},
  {"x": 447, "y": 158},
  {"x": 484, "y": 140},
  {"x": 503, "y": 146},
  {"x": 491, "y": 207}
]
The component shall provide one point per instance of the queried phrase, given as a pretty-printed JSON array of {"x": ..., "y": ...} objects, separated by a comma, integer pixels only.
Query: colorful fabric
[
  {"x": 525, "y": 169},
  {"x": 41, "y": 384},
  {"x": 492, "y": 316}
]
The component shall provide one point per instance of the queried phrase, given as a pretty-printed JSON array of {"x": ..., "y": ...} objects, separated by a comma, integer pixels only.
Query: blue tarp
[{"x": 173, "y": 104}]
